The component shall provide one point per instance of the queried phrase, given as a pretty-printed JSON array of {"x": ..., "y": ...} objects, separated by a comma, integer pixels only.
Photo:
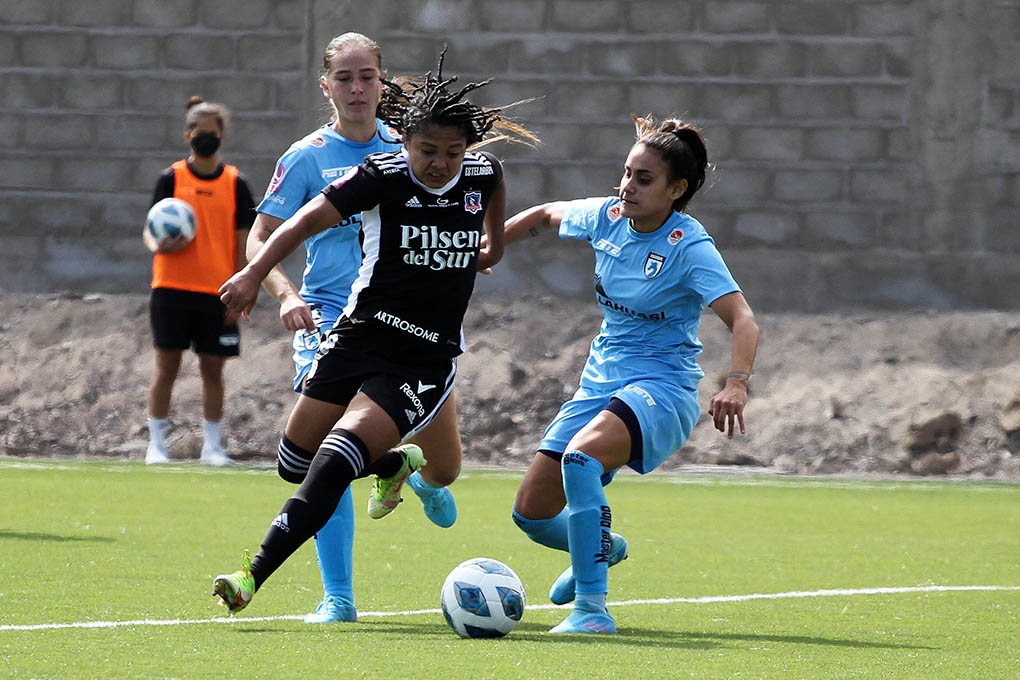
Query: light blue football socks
[
  {"x": 334, "y": 545},
  {"x": 437, "y": 501},
  {"x": 551, "y": 532},
  {"x": 562, "y": 589},
  {"x": 588, "y": 522}
]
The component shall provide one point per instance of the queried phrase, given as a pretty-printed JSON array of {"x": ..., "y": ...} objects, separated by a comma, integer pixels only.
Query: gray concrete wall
[{"x": 867, "y": 152}]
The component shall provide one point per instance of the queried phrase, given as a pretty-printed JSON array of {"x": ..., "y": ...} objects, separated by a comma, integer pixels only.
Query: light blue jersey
[
  {"x": 334, "y": 255},
  {"x": 652, "y": 289}
]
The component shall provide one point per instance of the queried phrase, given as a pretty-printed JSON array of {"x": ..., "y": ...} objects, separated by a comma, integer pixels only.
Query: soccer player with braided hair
[
  {"x": 385, "y": 369},
  {"x": 655, "y": 268},
  {"x": 351, "y": 80}
]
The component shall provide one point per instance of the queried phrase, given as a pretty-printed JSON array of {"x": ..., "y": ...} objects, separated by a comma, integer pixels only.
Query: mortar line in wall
[
  {"x": 845, "y": 205},
  {"x": 729, "y": 161},
  {"x": 846, "y": 123},
  {"x": 122, "y": 112},
  {"x": 127, "y": 73},
  {"x": 564, "y": 78},
  {"x": 570, "y": 78},
  {"x": 473, "y": 38},
  {"x": 141, "y": 32},
  {"x": 50, "y": 193},
  {"x": 794, "y": 164},
  {"x": 722, "y": 164}
]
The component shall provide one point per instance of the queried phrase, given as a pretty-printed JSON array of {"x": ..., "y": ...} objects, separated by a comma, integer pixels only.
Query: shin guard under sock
[
  {"x": 338, "y": 461},
  {"x": 551, "y": 532},
  {"x": 588, "y": 522}
]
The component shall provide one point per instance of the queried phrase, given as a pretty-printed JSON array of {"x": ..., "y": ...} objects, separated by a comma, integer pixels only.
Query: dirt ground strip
[{"x": 878, "y": 393}]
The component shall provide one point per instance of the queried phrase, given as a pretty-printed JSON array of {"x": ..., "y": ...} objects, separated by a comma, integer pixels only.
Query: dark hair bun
[
  {"x": 670, "y": 125},
  {"x": 192, "y": 101},
  {"x": 681, "y": 146},
  {"x": 694, "y": 140}
]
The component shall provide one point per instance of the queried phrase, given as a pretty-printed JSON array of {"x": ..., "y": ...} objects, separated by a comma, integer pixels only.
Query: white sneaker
[
  {"x": 156, "y": 455},
  {"x": 214, "y": 455}
]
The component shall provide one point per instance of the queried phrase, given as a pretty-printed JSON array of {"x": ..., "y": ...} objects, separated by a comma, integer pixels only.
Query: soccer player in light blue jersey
[
  {"x": 352, "y": 68},
  {"x": 655, "y": 269}
]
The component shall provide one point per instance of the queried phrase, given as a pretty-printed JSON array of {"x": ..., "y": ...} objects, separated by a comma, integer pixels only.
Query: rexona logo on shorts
[
  {"x": 427, "y": 246},
  {"x": 415, "y": 401}
]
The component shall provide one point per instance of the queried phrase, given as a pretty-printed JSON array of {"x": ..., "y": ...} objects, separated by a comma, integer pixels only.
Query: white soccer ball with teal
[
  {"x": 483, "y": 598},
  {"x": 171, "y": 217}
]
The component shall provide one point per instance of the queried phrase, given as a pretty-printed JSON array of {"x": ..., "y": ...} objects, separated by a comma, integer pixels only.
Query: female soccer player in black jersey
[{"x": 387, "y": 366}]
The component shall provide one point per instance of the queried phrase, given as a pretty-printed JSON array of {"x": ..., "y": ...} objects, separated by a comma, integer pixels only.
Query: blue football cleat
[
  {"x": 562, "y": 590},
  {"x": 333, "y": 610},
  {"x": 437, "y": 502},
  {"x": 586, "y": 622}
]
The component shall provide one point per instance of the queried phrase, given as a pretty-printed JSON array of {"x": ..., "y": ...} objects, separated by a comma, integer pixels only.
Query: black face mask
[{"x": 205, "y": 143}]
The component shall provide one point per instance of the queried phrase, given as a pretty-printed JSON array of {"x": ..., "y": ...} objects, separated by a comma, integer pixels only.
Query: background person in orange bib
[{"x": 185, "y": 309}]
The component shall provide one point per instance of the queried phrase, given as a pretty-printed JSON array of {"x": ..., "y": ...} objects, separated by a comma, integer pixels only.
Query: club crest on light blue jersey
[
  {"x": 653, "y": 265},
  {"x": 652, "y": 287}
]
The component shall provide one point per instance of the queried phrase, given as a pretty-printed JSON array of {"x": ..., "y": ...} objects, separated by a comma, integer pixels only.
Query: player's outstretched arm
[
  {"x": 294, "y": 312},
  {"x": 728, "y": 406},
  {"x": 533, "y": 221},
  {"x": 241, "y": 290}
]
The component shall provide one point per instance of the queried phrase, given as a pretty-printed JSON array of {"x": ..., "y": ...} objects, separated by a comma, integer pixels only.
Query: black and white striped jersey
[{"x": 420, "y": 250}]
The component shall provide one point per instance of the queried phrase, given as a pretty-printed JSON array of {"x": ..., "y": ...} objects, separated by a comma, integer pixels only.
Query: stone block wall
[{"x": 866, "y": 152}]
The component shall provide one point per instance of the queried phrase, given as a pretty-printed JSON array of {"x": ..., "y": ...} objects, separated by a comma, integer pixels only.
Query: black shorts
[
  {"x": 411, "y": 394},
  {"x": 181, "y": 319}
]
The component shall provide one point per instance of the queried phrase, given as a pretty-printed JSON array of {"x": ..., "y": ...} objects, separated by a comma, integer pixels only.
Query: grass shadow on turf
[
  {"x": 629, "y": 636},
  {"x": 54, "y": 538},
  {"x": 658, "y": 637},
  {"x": 538, "y": 632}
]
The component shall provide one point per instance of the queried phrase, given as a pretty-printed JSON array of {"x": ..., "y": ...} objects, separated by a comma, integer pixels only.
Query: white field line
[
  {"x": 836, "y": 592},
  {"x": 693, "y": 475}
]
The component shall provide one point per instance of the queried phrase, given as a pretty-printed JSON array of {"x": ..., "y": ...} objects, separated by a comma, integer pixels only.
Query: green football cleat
[
  {"x": 385, "y": 494},
  {"x": 236, "y": 590}
]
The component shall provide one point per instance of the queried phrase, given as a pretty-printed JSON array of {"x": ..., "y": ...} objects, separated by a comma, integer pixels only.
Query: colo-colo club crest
[{"x": 472, "y": 201}]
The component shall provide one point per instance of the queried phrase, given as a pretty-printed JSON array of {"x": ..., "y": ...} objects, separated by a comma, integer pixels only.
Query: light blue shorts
[
  {"x": 306, "y": 343},
  {"x": 666, "y": 413}
]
